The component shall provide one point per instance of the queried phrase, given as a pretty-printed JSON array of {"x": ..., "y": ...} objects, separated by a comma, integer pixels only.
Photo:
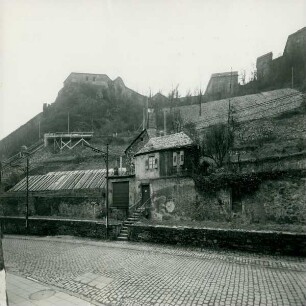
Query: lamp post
[{"x": 24, "y": 150}]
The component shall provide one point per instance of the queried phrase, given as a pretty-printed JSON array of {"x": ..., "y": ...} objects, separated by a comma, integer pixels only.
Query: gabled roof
[
  {"x": 172, "y": 141},
  {"x": 137, "y": 137}
]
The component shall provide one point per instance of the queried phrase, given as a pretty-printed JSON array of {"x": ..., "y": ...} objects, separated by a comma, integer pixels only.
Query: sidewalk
[{"x": 25, "y": 292}]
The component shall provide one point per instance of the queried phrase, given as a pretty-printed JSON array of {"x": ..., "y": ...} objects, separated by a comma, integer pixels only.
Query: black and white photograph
[{"x": 153, "y": 152}]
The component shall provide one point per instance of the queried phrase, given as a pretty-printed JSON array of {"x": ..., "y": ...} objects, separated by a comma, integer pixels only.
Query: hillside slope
[{"x": 103, "y": 109}]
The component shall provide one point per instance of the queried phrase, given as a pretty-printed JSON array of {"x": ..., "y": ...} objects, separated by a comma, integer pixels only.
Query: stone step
[
  {"x": 122, "y": 238},
  {"x": 123, "y": 235},
  {"x": 128, "y": 222}
]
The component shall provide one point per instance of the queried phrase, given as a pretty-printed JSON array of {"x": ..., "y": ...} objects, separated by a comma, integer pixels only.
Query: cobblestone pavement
[{"x": 120, "y": 273}]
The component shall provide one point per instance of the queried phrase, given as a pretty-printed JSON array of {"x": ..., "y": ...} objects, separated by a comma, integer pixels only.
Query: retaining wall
[
  {"x": 53, "y": 226},
  {"x": 255, "y": 241}
]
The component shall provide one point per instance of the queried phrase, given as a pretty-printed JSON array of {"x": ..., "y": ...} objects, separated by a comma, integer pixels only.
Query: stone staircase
[{"x": 123, "y": 236}]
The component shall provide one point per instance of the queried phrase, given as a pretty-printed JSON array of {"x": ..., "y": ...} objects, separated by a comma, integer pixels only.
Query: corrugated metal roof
[
  {"x": 177, "y": 140},
  {"x": 65, "y": 180}
]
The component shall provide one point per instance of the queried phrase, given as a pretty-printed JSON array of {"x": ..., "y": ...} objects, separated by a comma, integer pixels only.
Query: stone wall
[
  {"x": 263, "y": 65},
  {"x": 273, "y": 201},
  {"x": 89, "y": 207},
  {"x": 173, "y": 198},
  {"x": 279, "y": 201},
  {"x": 53, "y": 226},
  {"x": 255, "y": 241}
]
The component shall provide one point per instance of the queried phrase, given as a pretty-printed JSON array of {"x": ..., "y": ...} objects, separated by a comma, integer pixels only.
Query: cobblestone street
[{"x": 119, "y": 273}]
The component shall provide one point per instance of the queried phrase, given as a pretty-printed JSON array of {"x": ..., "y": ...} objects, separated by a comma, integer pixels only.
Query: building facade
[{"x": 222, "y": 85}]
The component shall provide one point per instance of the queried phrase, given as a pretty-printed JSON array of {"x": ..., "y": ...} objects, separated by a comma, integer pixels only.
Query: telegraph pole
[
  {"x": 105, "y": 156},
  {"x": 24, "y": 150},
  {"x": 107, "y": 190},
  {"x": 27, "y": 200}
]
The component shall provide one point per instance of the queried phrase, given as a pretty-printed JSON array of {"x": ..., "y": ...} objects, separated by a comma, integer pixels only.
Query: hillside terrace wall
[{"x": 255, "y": 241}]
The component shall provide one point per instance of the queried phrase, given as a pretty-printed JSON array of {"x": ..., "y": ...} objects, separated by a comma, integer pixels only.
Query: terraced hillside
[{"x": 243, "y": 108}]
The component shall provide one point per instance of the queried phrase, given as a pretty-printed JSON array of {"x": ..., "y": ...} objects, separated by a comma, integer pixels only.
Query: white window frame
[{"x": 151, "y": 162}]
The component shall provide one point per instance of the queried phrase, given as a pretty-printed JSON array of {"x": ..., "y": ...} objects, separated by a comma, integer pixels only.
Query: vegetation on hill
[
  {"x": 105, "y": 111},
  {"x": 93, "y": 108}
]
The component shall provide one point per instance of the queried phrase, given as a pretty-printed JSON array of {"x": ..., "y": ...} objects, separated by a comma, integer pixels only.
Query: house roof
[
  {"x": 134, "y": 140},
  {"x": 178, "y": 140},
  {"x": 65, "y": 180}
]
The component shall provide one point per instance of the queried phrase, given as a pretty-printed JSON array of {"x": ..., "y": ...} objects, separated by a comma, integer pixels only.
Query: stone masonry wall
[
  {"x": 255, "y": 241},
  {"x": 64, "y": 206},
  {"x": 52, "y": 226}
]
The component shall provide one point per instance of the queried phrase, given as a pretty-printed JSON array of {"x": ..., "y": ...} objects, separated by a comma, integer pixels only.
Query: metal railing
[
  {"x": 59, "y": 134},
  {"x": 139, "y": 205}
]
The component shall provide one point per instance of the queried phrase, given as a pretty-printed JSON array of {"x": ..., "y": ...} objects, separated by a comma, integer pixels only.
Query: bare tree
[
  {"x": 219, "y": 139},
  {"x": 217, "y": 143}
]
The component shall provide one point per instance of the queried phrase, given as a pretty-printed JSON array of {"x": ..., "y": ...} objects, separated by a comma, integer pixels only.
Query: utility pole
[
  {"x": 27, "y": 200},
  {"x": 107, "y": 190},
  {"x": 24, "y": 150},
  {"x": 292, "y": 77},
  {"x": 105, "y": 156},
  {"x": 68, "y": 122}
]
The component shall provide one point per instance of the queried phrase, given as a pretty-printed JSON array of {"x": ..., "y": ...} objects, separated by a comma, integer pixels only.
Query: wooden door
[{"x": 145, "y": 194}]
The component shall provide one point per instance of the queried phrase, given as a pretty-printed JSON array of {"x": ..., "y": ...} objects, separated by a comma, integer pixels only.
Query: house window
[
  {"x": 86, "y": 78},
  {"x": 178, "y": 158},
  {"x": 94, "y": 79},
  {"x": 151, "y": 163},
  {"x": 181, "y": 158},
  {"x": 174, "y": 159}
]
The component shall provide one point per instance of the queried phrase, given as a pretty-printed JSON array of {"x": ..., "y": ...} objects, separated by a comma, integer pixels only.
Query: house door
[
  {"x": 121, "y": 195},
  {"x": 145, "y": 194}
]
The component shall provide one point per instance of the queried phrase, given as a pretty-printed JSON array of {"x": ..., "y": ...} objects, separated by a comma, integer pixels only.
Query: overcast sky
[{"x": 153, "y": 45}]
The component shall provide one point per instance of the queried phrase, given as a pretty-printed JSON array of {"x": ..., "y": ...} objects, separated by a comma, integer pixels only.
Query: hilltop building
[
  {"x": 295, "y": 45},
  {"x": 222, "y": 85},
  {"x": 263, "y": 65},
  {"x": 89, "y": 78}
]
